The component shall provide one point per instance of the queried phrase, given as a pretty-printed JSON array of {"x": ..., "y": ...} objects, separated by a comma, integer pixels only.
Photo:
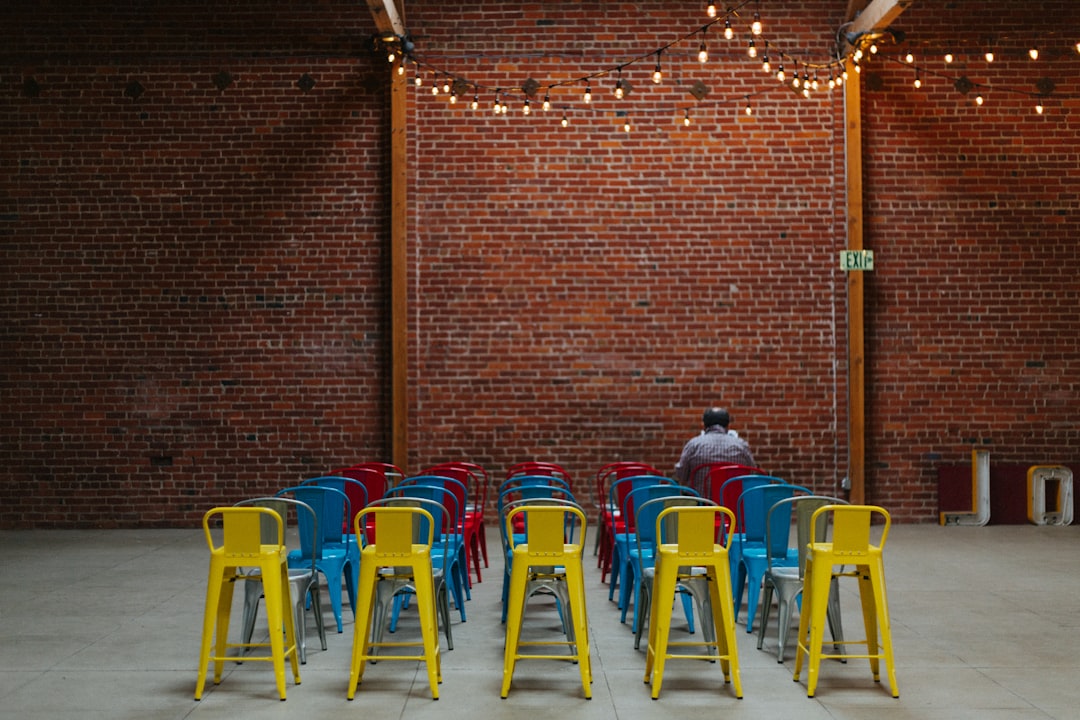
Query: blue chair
[
  {"x": 357, "y": 494},
  {"x": 641, "y": 514},
  {"x": 331, "y": 557},
  {"x": 453, "y": 561},
  {"x": 623, "y": 534},
  {"x": 730, "y": 490},
  {"x": 759, "y": 547},
  {"x": 458, "y": 509}
]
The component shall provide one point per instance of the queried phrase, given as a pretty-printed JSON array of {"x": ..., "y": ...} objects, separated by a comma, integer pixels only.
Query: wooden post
[
  {"x": 399, "y": 276},
  {"x": 856, "y": 357}
]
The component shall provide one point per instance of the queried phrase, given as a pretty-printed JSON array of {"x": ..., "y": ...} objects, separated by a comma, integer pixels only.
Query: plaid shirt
[{"x": 715, "y": 445}]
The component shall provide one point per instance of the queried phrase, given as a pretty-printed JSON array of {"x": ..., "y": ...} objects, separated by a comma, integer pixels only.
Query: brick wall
[{"x": 194, "y": 278}]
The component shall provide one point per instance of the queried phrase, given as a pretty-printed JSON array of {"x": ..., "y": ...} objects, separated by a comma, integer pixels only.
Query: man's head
[{"x": 716, "y": 416}]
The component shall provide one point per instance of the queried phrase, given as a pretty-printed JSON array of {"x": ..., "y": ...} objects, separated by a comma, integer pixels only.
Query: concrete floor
[{"x": 106, "y": 624}]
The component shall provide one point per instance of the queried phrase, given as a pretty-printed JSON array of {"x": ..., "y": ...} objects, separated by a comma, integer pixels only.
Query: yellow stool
[
  {"x": 687, "y": 542},
  {"x": 242, "y": 547},
  {"x": 850, "y": 546},
  {"x": 402, "y": 550},
  {"x": 550, "y": 552}
]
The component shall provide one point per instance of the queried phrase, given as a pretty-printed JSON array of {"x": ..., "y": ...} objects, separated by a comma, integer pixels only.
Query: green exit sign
[{"x": 856, "y": 260}]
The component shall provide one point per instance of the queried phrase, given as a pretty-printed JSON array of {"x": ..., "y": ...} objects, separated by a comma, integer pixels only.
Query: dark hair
[{"x": 716, "y": 416}]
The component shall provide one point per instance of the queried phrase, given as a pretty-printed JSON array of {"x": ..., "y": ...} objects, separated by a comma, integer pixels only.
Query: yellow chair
[
  {"x": 850, "y": 546},
  {"x": 401, "y": 552},
  {"x": 241, "y": 548},
  {"x": 550, "y": 552},
  {"x": 687, "y": 549}
]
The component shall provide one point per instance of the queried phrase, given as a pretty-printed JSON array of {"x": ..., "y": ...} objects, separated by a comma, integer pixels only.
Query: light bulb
[
  {"x": 814, "y": 83},
  {"x": 1033, "y": 53},
  {"x": 766, "y": 66},
  {"x": 979, "y": 100},
  {"x": 909, "y": 58},
  {"x": 1039, "y": 108},
  {"x": 476, "y": 102},
  {"x": 751, "y": 49},
  {"x": 989, "y": 56},
  {"x": 686, "y": 119},
  {"x": 525, "y": 107},
  {"x": 703, "y": 52},
  {"x": 728, "y": 31},
  {"x": 918, "y": 80},
  {"x": 755, "y": 27},
  {"x": 565, "y": 120},
  {"x": 1078, "y": 47},
  {"x": 419, "y": 80},
  {"x": 657, "y": 75},
  {"x": 446, "y": 86},
  {"x": 401, "y": 69},
  {"x": 453, "y": 98},
  {"x": 749, "y": 110},
  {"x": 391, "y": 57},
  {"x": 626, "y": 126},
  {"x": 949, "y": 57},
  {"x": 588, "y": 92},
  {"x": 873, "y": 48},
  {"x": 711, "y": 10},
  {"x": 618, "y": 86},
  {"x": 547, "y": 102},
  {"x": 434, "y": 89},
  {"x": 780, "y": 74}
]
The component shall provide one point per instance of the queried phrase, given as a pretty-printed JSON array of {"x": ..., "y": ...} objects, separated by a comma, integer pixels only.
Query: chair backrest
[
  {"x": 851, "y": 529},
  {"x": 532, "y": 492},
  {"x": 391, "y": 473},
  {"x": 242, "y": 532},
  {"x": 691, "y": 529},
  {"x": 375, "y": 481},
  {"x": 709, "y": 479},
  {"x": 613, "y": 471},
  {"x": 523, "y": 480},
  {"x": 638, "y": 523},
  {"x": 778, "y": 523},
  {"x": 733, "y": 487},
  {"x": 619, "y": 489},
  {"x": 440, "y": 494},
  {"x": 441, "y": 541},
  {"x": 539, "y": 467},
  {"x": 550, "y": 525},
  {"x": 398, "y": 529},
  {"x": 455, "y": 486},
  {"x": 649, "y": 532},
  {"x": 355, "y": 490},
  {"x": 331, "y": 507},
  {"x": 281, "y": 506},
  {"x": 752, "y": 512}
]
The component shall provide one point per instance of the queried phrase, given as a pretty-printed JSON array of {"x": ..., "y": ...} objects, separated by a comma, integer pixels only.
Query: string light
[
  {"x": 796, "y": 82},
  {"x": 525, "y": 108},
  {"x": 949, "y": 57},
  {"x": 1039, "y": 108},
  {"x": 434, "y": 83},
  {"x": 766, "y": 66},
  {"x": 547, "y": 101},
  {"x": 780, "y": 74},
  {"x": 703, "y": 52},
  {"x": 751, "y": 49},
  {"x": 918, "y": 80},
  {"x": 749, "y": 110},
  {"x": 391, "y": 57},
  {"x": 729, "y": 33},
  {"x": 476, "y": 102},
  {"x": 909, "y": 58},
  {"x": 1033, "y": 53},
  {"x": 401, "y": 68},
  {"x": 711, "y": 10},
  {"x": 497, "y": 107},
  {"x": 453, "y": 97},
  {"x": 446, "y": 84},
  {"x": 686, "y": 118},
  {"x": 990, "y": 54},
  {"x": 979, "y": 100},
  {"x": 658, "y": 74},
  {"x": 588, "y": 92},
  {"x": 565, "y": 120},
  {"x": 755, "y": 27},
  {"x": 618, "y": 86},
  {"x": 419, "y": 80},
  {"x": 626, "y": 125}
]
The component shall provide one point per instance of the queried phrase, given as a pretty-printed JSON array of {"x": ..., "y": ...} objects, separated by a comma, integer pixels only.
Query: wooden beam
[
  {"x": 856, "y": 342},
  {"x": 878, "y": 15},
  {"x": 399, "y": 276},
  {"x": 387, "y": 17}
]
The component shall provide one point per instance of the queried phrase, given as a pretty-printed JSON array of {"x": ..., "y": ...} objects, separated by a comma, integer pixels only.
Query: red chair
[
  {"x": 473, "y": 532},
  {"x": 609, "y": 520},
  {"x": 537, "y": 467}
]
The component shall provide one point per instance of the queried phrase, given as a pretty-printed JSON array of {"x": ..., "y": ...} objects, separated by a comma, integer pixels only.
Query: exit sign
[{"x": 856, "y": 260}]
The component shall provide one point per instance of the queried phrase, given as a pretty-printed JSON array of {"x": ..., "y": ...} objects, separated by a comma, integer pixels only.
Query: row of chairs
[{"x": 753, "y": 532}]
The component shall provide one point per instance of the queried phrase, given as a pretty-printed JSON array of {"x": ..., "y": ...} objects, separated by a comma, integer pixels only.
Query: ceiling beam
[
  {"x": 878, "y": 15},
  {"x": 387, "y": 17}
]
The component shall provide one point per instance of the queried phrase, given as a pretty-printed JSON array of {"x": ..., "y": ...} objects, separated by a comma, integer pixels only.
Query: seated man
[{"x": 715, "y": 444}]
